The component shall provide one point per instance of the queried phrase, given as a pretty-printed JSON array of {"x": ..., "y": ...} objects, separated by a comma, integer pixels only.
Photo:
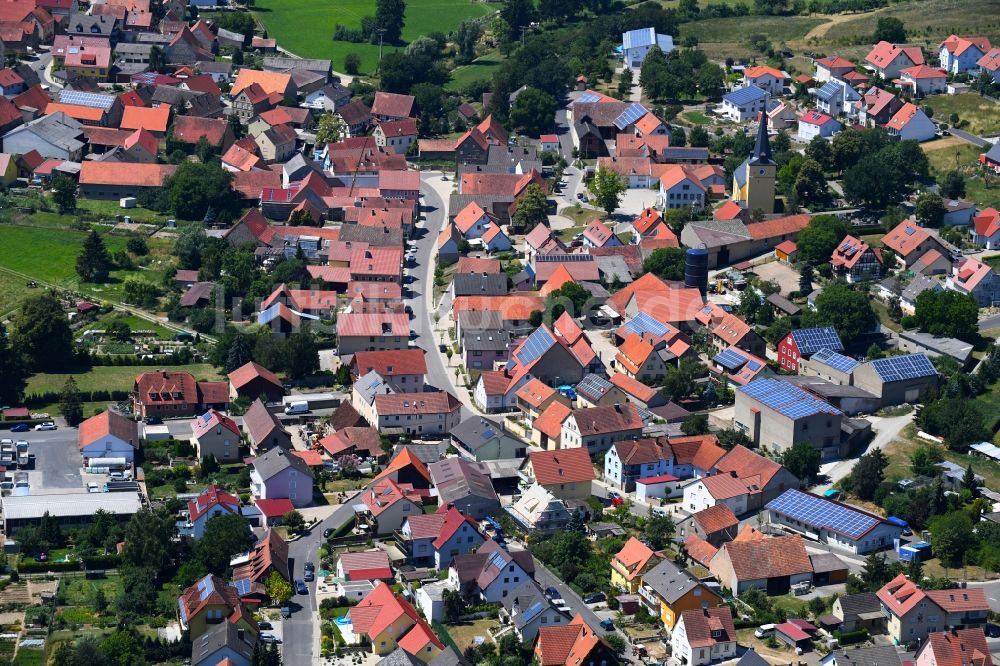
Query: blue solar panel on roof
[
  {"x": 835, "y": 360},
  {"x": 730, "y": 359},
  {"x": 534, "y": 346},
  {"x": 787, "y": 399},
  {"x": 588, "y": 98},
  {"x": 909, "y": 231},
  {"x": 898, "y": 368},
  {"x": 80, "y": 98},
  {"x": 817, "y": 512},
  {"x": 811, "y": 340},
  {"x": 497, "y": 559},
  {"x": 242, "y": 586},
  {"x": 543, "y": 258},
  {"x": 744, "y": 95},
  {"x": 489, "y": 434},
  {"x": 753, "y": 366},
  {"x": 634, "y": 112},
  {"x": 644, "y": 323}
]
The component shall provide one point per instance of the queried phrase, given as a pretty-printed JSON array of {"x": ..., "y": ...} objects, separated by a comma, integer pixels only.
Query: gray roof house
[
  {"x": 466, "y": 486},
  {"x": 668, "y": 582},
  {"x": 526, "y": 609},
  {"x": 479, "y": 284},
  {"x": 56, "y": 136},
  {"x": 284, "y": 63},
  {"x": 882, "y": 655},
  {"x": 479, "y": 438},
  {"x": 280, "y": 474},
  {"x": 221, "y": 641},
  {"x": 857, "y": 611}
]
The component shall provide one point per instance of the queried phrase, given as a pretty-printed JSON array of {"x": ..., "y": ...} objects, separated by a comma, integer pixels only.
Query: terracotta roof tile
[
  {"x": 768, "y": 558},
  {"x": 561, "y": 466}
]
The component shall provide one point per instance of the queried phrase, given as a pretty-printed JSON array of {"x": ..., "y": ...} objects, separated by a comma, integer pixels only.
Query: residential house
[
  {"x": 254, "y": 381},
  {"x": 526, "y": 610},
  {"x": 772, "y": 564},
  {"x": 629, "y": 564},
  {"x": 595, "y": 391},
  {"x": 910, "y": 123},
  {"x": 977, "y": 279},
  {"x": 734, "y": 332},
  {"x": 491, "y": 573},
  {"x": 743, "y": 104},
  {"x": 387, "y": 504},
  {"x": 635, "y": 391},
  {"x": 704, "y": 636},
  {"x": 958, "y": 55},
  {"x": 630, "y": 461},
  {"x": 836, "y": 98},
  {"x": 435, "y": 539},
  {"x": 985, "y": 229},
  {"x": 856, "y": 261},
  {"x": 990, "y": 63},
  {"x": 534, "y": 397},
  {"x": 372, "y": 331},
  {"x": 466, "y": 486},
  {"x": 956, "y": 647},
  {"x": 738, "y": 366},
  {"x": 831, "y": 522},
  {"x": 540, "y": 511},
  {"x": 877, "y": 107},
  {"x": 597, "y": 234},
  {"x": 716, "y": 525},
  {"x": 365, "y": 565},
  {"x": 277, "y": 144},
  {"x": 404, "y": 369},
  {"x": 359, "y": 441},
  {"x": 176, "y": 393},
  {"x": 776, "y": 414},
  {"x": 888, "y": 60},
  {"x": 958, "y": 212},
  {"x": 913, "y": 613},
  {"x": 597, "y": 428},
  {"x": 768, "y": 79},
  {"x": 832, "y": 67},
  {"x": 211, "y": 601},
  {"x": 910, "y": 241},
  {"x": 216, "y": 435},
  {"x": 223, "y": 643},
  {"x": 573, "y": 644},
  {"x": 814, "y": 124},
  {"x": 636, "y": 45},
  {"x": 389, "y": 622},
  {"x": 251, "y": 570},
  {"x": 804, "y": 342},
  {"x": 486, "y": 348},
  {"x": 279, "y": 475},
  {"x": 478, "y": 438},
  {"x": 923, "y": 80},
  {"x": 396, "y": 135},
  {"x": 860, "y": 611},
  {"x": 392, "y": 106},
  {"x": 108, "y": 435},
  {"x": 263, "y": 429},
  {"x": 206, "y": 505},
  {"x": 668, "y": 590},
  {"x": 416, "y": 413},
  {"x": 679, "y": 188},
  {"x": 637, "y": 358},
  {"x": 566, "y": 474}
]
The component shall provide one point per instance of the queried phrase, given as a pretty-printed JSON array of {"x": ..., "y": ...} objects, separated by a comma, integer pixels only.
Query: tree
[
  {"x": 889, "y": 29},
  {"x": 531, "y": 209},
  {"x": 846, "y": 309},
  {"x": 389, "y": 16},
  {"x": 698, "y": 137},
  {"x": 93, "y": 263},
  {"x": 137, "y": 245},
  {"x": 41, "y": 333},
  {"x": 329, "y": 129},
  {"x": 194, "y": 187},
  {"x": 802, "y": 460},
  {"x": 876, "y": 572},
  {"x": 805, "y": 279},
  {"x": 278, "y": 589},
  {"x": 239, "y": 352},
  {"x": 13, "y": 371},
  {"x": 666, "y": 263},
  {"x": 948, "y": 313},
  {"x": 294, "y": 521},
  {"x": 70, "y": 404},
  {"x": 149, "y": 541},
  {"x": 123, "y": 648},
  {"x": 711, "y": 79},
  {"x": 303, "y": 355},
  {"x": 924, "y": 460},
  {"x": 352, "y": 64},
  {"x": 820, "y": 238},
  {"x": 929, "y": 209},
  {"x": 571, "y": 295},
  {"x": 953, "y": 185},
  {"x": 958, "y": 421},
  {"x": 658, "y": 531},
  {"x": 64, "y": 193},
  {"x": 465, "y": 37},
  {"x": 696, "y": 424},
  {"x": 518, "y": 14},
  {"x": 868, "y": 473},
  {"x": 225, "y": 535},
  {"x": 897, "y": 165},
  {"x": 533, "y": 112},
  {"x": 810, "y": 185},
  {"x": 454, "y": 605},
  {"x": 157, "y": 59},
  {"x": 970, "y": 482},
  {"x": 608, "y": 188},
  {"x": 820, "y": 151},
  {"x": 952, "y": 536}
]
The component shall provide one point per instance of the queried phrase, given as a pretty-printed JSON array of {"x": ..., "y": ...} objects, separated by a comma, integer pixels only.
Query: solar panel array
[
  {"x": 242, "y": 586},
  {"x": 753, "y": 365},
  {"x": 80, "y": 98},
  {"x": 534, "y": 346},
  {"x": 563, "y": 258},
  {"x": 822, "y": 513},
  {"x": 634, "y": 112},
  {"x": 811, "y": 340},
  {"x": 744, "y": 95},
  {"x": 898, "y": 368},
  {"x": 588, "y": 98},
  {"x": 644, "y": 323},
  {"x": 787, "y": 399},
  {"x": 730, "y": 359},
  {"x": 835, "y": 360}
]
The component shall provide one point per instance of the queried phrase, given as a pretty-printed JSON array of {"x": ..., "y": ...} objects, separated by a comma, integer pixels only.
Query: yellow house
[
  {"x": 668, "y": 590},
  {"x": 212, "y": 601},
  {"x": 546, "y": 430},
  {"x": 534, "y": 398},
  {"x": 566, "y": 473},
  {"x": 628, "y": 564},
  {"x": 8, "y": 169},
  {"x": 389, "y": 621}
]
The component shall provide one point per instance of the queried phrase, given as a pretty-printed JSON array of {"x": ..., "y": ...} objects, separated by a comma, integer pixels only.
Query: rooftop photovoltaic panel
[
  {"x": 835, "y": 360},
  {"x": 787, "y": 399},
  {"x": 897, "y": 368},
  {"x": 588, "y": 98},
  {"x": 730, "y": 359},
  {"x": 565, "y": 258},
  {"x": 811, "y": 340},
  {"x": 534, "y": 346},
  {"x": 644, "y": 323},
  {"x": 818, "y": 512},
  {"x": 80, "y": 98},
  {"x": 634, "y": 112}
]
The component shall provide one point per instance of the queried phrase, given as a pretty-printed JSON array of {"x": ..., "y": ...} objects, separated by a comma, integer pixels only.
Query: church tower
[{"x": 753, "y": 182}]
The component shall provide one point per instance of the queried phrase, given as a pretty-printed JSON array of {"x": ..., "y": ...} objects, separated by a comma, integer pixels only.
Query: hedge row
[
  {"x": 111, "y": 561},
  {"x": 50, "y": 397},
  {"x": 90, "y": 563},
  {"x": 851, "y": 637},
  {"x": 135, "y": 359}
]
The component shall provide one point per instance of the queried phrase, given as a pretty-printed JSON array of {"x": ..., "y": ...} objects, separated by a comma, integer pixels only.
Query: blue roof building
[
  {"x": 636, "y": 44},
  {"x": 776, "y": 414},
  {"x": 744, "y": 103},
  {"x": 831, "y": 522}
]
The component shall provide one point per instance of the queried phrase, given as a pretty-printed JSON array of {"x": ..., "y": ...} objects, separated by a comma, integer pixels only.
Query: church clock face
[{"x": 761, "y": 172}]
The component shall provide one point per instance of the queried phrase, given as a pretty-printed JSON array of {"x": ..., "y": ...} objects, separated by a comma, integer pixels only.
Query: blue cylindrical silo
[{"x": 696, "y": 269}]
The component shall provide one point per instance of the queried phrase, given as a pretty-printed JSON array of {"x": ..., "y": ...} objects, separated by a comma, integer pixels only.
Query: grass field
[
  {"x": 726, "y": 37},
  {"x": 983, "y": 115},
  {"x": 110, "y": 377},
  {"x": 950, "y": 153},
  {"x": 12, "y": 290},
  {"x": 696, "y": 118},
  {"x": 306, "y": 28},
  {"x": 926, "y": 21},
  {"x": 480, "y": 69},
  {"x": 134, "y": 323}
]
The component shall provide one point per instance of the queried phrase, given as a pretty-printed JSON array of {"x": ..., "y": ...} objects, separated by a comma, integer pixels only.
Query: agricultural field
[
  {"x": 982, "y": 115},
  {"x": 952, "y": 153},
  {"x": 480, "y": 69},
  {"x": 306, "y": 28},
  {"x": 726, "y": 37},
  {"x": 927, "y": 22}
]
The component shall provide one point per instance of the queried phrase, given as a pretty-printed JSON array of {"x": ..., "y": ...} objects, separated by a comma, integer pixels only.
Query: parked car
[
  {"x": 764, "y": 630},
  {"x": 328, "y": 532},
  {"x": 607, "y": 624},
  {"x": 93, "y": 487},
  {"x": 263, "y": 624},
  {"x": 286, "y": 611},
  {"x": 153, "y": 420},
  {"x": 594, "y": 598},
  {"x": 20, "y": 427},
  {"x": 616, "y": 499},
  {"x": 48, "y": 425},
  {"x": 269, "y": 638},
  {"x": 551, "y": 592},
  {"x": 300, "y": 587},
  {"x": 310, "y": 572}
]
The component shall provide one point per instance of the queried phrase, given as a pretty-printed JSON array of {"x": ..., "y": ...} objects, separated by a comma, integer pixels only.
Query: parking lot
[{"x": 56, "y": 464}]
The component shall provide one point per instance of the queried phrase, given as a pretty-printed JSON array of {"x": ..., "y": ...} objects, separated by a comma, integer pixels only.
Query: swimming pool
[{"x": 342, "y": 620}]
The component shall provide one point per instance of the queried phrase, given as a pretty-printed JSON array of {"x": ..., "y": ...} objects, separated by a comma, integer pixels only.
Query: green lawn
[
  {"x": 29, "y": 657},
  {"x": 951, "y": 153},
  {"x": 12, "y": 290},
  {"x": 480, "y": 69},
  {"x": 110, "y": 377},
  {"x": 305, "y": 27},
  {"x": 135, "y": 323},
  {"x": 696, "y": 118},
  {"x": 983, "y": 115},
  {"x": 79, "y": 591}
]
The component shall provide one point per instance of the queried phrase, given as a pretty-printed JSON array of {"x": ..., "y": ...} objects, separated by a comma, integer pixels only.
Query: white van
[
  {"x": 300, "y": 407},
  {"x": 764, "y": 630}
]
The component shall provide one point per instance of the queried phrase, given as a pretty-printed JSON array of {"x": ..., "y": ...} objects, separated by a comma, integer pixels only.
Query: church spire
[{"x": 762, "y": 147}]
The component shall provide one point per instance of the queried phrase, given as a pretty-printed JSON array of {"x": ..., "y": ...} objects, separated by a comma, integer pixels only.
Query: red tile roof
[
  {"x": 758, "y": 71},
  {"x": 211, "y": 497},
  {"x": 248, "y": 372},
  {"x": 747, "y": 464},
  {"x": 716, "y": 518},
  {"x": 960, "y": 600},
  {"x": 607, "y": 419},
  {"x": 154, "y": 119},
  {"x": 189, "y": 129},
  {"x": 535, "y": 392},
  {"x": 633, "y": 387},
  {"x": 700, "y": 624},
  {"x": 772, "y": 557},
  {"x": 700, "y": 550},
  {"x": 362, "y": 440},
  {"x": 904, "y": 237},
  {"x": 136, "y": 175},
  {"x": 389, "y": 364},
  {"x": 702, "y": 451},
  {"x": 440, "y": 402},
  {"x": 105, "y": 424},
  {"x": 884, "y": 53},
  {"x": 270, "y": 82},
  {"x": 366, "y": 565},
  {"x": 381, "y": 609},
  {"x": 958, "y": 647},
  {"x": 373, "y": 325},
  {"x": 987, "y": 222},
  {"x": 632, "y": 559},
  {"x": 566, "y": 645},
  {"x": 203, "y": 424},
  {"x": 393, "y": 105},
  {"x": 561, "y": 466},
  {"x": 782, "y": 226},
  {"x": 550, "y": 421}
]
